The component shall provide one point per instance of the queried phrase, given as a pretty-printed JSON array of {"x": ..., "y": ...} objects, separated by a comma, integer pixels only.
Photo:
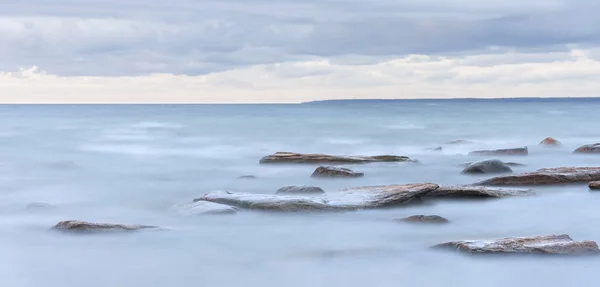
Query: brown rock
[
  {"x": 511, "y": 151},
  {"x": 435, "y": 219},
  {"x": 288, "y": 157},
  {"x": 468, "y": 191},
  {"x": 87, "y": 227},
  {"x": 590, "y": 148},
  {"x": 544, "y": 176},
  {"x": 550, "y": 142},
  {"x": 550, "y": 244},
  {"x": 594, "y": 185},
  {"x": 330, "y": 171}
]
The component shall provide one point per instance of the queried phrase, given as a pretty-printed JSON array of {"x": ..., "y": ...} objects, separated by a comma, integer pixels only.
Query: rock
[
  {"x": 436, "y": 219},
  {"x": 330, "y": 171},
  {"x": 295, "y": 189},
  {"x": 544, "y": 176},
  {"x": 549, "y": 244},
  {"x": 88, "y": 227},
  {"x": 460, "y": 142},
  {"x": 506, "y": 163},
  {"x": 590, "y": 148},
  {"x": 510, "y": 151},
  {"x": 346, "y": 199},
  {"x": 39, "y": 206},
  {"x": 199, "y": 207},
  {"x": 468, "y": 191},
  {"x": 288, "y": 157},
  {"x": 247, "y": 177},
  {"x": 487, "y": 166},
  {"x": 439, "y": 148},
  {"x": 550, "y": 142},
  {"x": 594, "y": 185}
]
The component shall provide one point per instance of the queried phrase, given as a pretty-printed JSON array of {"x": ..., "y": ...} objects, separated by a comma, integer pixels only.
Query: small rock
[
  {"x": 487, "y": 166},
  {"x": 594, "y": 185},
  {"x": 510, "y": 151},
  {"x": 550, "y": 244},
  {"x": 550, "y": 142},
  {"x": 545, "y": 176},
  {"x": 87, "y": 227},
  {"x": 290, "y": 157},
  {"x": 439, "y": 148},
  {"x": 460, "y": 142},
  {"x": 590, "y": 148},
  {"x": 200, "y": 207},
  {"x": 330, "y": 171},
  {"x": 247, "y": 177},
  {"x": 436, "y": 219},
  {"x": 295, "y": 189}
]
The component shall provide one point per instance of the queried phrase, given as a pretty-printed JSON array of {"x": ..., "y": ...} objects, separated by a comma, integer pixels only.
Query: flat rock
[
  {"x": 594, "y": 185},
  {"x": 549, "y": 244},
  {"x": 590, "y": 148},
  {"x": 247, "y": 177},
  {"x": 330, "y": 171},
  {"x": 506, "y": 163},
  {"x": 300, "y": 189},
  {"x": 469, "y": 191},
  {"x": 289, "y": 157},
  {"x": 510, "y": 151},
  {"x": 487, "y": 166},
  {"x": 550, "y": 142},
  {"x": 346, "y": 199},
  {"x": 545, "y": 176},
  {"x": 429, "y": 219},
  {"x": 88, "y": 227},
  {"x": 200, "y": 207}
]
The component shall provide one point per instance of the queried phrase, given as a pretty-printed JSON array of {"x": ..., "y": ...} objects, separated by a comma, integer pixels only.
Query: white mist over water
[{"x": 132, "y": 164}]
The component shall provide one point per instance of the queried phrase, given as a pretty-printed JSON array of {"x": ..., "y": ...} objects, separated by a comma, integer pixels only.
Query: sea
[{"x": 134, "y": 164}]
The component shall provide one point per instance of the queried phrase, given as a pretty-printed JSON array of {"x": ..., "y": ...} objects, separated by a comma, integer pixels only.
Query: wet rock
[
  {"x": 430, "y": 219},
  {"x": 590, "y": 148},
  {"x": 199, "y": 207},
  {"x": 289, "y": 157},
  {"x": 545, "y": 176},
  {"x": 88, "y": 227},
  {"x": 457, "y": 142},
  {"x": 330, "y": 171},
  {"x": 302, "y": 189},
  {"x": 594, "y": 185},
  {"x": 469, "y": 191},
  {"x": 247, "y": 177},
  {"x": 550, "y": 142},
  {"x": 345, "y": 199},
  {"x": 549, "y": 244},
  {"x": 487, "y": 166},
  {"x": 510, "y": 151}
]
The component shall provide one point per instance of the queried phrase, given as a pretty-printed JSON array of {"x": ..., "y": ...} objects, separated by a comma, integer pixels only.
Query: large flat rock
[
  {"x": 346, "y": 199},
  {"x": 544, "y": 176},
  {"x": 549, "y": 244},
  {"x": 289, "y": 157},
  {"x": 469, "y": 191}
]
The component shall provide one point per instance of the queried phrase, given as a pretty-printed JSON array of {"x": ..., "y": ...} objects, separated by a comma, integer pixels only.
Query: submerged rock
[
  {"x": 487, "y": 166},
  {"x": 289, "y": 157},
  {"x": 460, "y": 142},
  {"x": 247, "y": 177},
  {"x": 302, "y": 189},
  {"x": 439, "y": 148},
  {"x": 199, "y": 207},
  {"x": 549, "y": 244},
  {"x": 510, "y": 151},
  {"x": 468, "y": 191},
  {"x": 594, "y": 185},
  {"x": 87, "y": 227},
  {"x": 544, "y": 176},
  {"x": 346, "y": 199},
  {"x": 330, "y": 171},
  {"x": 590, "y": 148},
  {"x": 436, "y": 219},
  {"x": 39, "y": 206},
  {"x": 550, "y": 142},
  {"x": 506, "y": 163}
]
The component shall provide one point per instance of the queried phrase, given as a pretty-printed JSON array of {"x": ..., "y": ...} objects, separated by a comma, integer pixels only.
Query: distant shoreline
[{"x": 515, "y": 100}]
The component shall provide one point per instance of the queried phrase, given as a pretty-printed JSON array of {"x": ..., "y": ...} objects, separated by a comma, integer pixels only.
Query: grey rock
[
  {"x": 487, "y": 166},
  {"x": 200, "y": 207},
  {"x": 429, "y": 219},
  {"x": 330, "y": 171},
  {"x": 89, "y": 227},
  {"x": 302, "y": 189}
]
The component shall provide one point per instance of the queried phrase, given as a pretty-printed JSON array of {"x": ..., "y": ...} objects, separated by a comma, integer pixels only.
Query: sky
[{"x": 287, "y": 51}]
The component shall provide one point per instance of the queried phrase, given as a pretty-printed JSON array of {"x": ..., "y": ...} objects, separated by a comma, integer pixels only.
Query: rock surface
[
  {"x": 590, "y": 148},
  {"x": 549, "y": 244},
  {"x": 468, "y": 191},
  {"x": 247, "y": 177},
  {"x": 487, "y": 166},
  {"x": 87, "y": 227},
  {"x": 289, "y": 157},
  {"x": 550, "y": 142},
  {"x": 544, "y": 176},
  {"x": 199, "y": 207},
  {"x": 594, "y": 185},
  {"x": 346, "y": 199},
  {"x": 330, "y": 171},
  {"x": 510, "y": 151},
  {"x": 435, "y": 219},
  {"x": 300, "y": 189}
]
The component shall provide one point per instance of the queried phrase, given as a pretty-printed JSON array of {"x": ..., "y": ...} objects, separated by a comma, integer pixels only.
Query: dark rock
[
  {"x": 247, "y": 177},
  {"x": 594, "y": 185},
  {"x": 590, "y": 148},
  {"x": 330, "y": 171},
  {"x": 288, "y": 157},
  {"x": 550, "y": 244},
  {"x": 468, "y": 191},
  {"x": 87, "y": 227},
  {"x": 550, "y": 142},
  {"x": 200, "y": 207},
  {"x": 487, "y": 166},
  {"x": 435, "y": 219},
  {"x": 295, "y": 189},
  {"x": 345, "y": 199},
  {"x": 545, "y": 176},
  {"x": 511, "y": 151}
]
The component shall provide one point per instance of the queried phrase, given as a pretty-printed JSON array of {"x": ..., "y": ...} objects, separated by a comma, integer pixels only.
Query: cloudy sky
[{"x": 296, "y": 50}]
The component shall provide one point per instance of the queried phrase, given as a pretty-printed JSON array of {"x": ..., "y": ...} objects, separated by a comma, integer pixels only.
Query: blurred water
[{"x": 133, "y": 163}]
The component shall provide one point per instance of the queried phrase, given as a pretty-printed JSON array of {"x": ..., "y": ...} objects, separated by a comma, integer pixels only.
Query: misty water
[{"x": 132, "y": 164}]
